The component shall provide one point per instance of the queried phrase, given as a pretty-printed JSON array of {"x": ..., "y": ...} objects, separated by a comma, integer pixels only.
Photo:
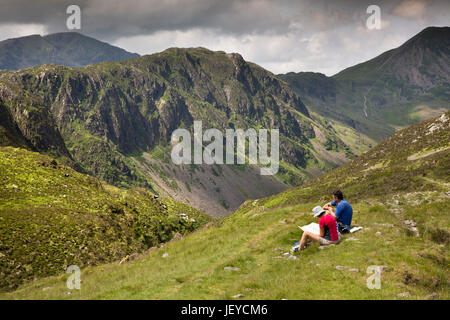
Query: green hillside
[
  {"x": 51, "y": 217},
  {"x": 400, "y": 193}
]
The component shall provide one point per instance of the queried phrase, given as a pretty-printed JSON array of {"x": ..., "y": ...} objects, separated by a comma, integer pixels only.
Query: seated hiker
[
  {"x": 328, "y": 230},
  {"x": 344, "y": 211}
]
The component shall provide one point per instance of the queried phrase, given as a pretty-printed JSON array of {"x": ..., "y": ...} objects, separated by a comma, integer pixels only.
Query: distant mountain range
[
  {"x": 69, "y": 49},
  {"x": 395, "y": 89},
  {"x": 114, "y": 120}
]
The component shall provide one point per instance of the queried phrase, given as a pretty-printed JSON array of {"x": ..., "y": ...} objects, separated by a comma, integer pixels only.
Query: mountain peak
[
  {"x": 431, "y": 37},
  {"x": 434, "y": 32},
  {"x": 71, "y": 49}
]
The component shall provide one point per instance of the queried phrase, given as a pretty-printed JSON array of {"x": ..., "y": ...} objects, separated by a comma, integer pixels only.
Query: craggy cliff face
[{"x": 100, "y": 117}]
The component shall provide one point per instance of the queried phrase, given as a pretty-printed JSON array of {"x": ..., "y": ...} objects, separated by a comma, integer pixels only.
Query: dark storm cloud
[{"x": 111, "y": 19}]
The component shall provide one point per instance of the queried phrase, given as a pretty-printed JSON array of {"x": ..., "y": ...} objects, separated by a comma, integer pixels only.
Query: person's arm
[
  {"x": 326, "y": 206},
  {"x": 331, "y": 213},
  {"x": 322, "y": 232},
  {"x": 336, "y": 214}
]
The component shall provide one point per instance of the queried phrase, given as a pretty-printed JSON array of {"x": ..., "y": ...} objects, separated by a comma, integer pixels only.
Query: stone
[
  {"x": 341, "y": 267},
  {"x": 410, "y": 223},
  {"x": 177, "y": 236},
  {"x": 328, "y": 246},
  {"x": 229, "y": 268},
  {"x": 133, "y": 256},
  {"x": 432, "y": 296},
  {"x": 384, "y": 225},
  {"x": 403, "y": 294}
]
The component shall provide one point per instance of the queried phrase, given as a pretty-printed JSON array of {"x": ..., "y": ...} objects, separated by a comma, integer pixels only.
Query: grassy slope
[
  {"x": 256, "y": 236},
  {"x": 52, "y": 216}
]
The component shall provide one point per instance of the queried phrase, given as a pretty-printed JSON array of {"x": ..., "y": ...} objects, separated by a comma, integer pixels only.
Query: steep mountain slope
[
  {"x": 69, "y": 49},
  {"x": 52, "y": 216},
  {"x": 116, "y": 120},
  {"x": 400, "y": 193},
  {"x": 395, "y": 89}
]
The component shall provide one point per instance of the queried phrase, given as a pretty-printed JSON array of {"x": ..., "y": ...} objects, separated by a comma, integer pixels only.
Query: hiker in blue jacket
[{"x": 344, "y": 211}]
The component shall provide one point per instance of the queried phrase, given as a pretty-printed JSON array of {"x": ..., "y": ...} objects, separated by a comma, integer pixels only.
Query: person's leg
[
  {"x": 307, "y": 235},
  {"x": 343, "y": 228},
  {"x": 325, "y": 242},
  {"x": 303, "y": 240}
]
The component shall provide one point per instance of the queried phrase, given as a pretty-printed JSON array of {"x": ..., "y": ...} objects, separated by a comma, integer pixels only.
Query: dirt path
[{"x": 420, "y": 155}]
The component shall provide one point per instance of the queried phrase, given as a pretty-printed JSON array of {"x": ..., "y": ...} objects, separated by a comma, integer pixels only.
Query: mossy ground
[{"x": 52, "y": 216}]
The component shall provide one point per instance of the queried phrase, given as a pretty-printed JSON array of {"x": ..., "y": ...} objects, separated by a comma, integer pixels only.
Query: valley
[
  {"x": 101, "y": 119},
  {"x": 88, "y": 177}
]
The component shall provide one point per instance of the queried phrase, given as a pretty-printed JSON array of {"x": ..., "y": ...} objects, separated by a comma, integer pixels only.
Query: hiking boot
[{"x": 295, "y": 247}]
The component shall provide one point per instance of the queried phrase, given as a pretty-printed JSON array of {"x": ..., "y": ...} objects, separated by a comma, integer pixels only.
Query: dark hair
[{"x": 338, "y": 194}]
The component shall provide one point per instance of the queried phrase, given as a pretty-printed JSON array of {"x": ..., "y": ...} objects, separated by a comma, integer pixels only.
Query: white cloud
[
  {"x": 276, "y": 53},
  {"x": 327, "y": 52},
  {"x": 411, "y": 9},
  {"x": 281, "y": 36},
  {"x": 15, "y": 30},
  {"x": 316, "y": 43}
]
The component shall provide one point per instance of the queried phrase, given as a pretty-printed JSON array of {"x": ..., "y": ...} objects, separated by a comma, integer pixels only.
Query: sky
[{"x": 280, "y": 35}]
